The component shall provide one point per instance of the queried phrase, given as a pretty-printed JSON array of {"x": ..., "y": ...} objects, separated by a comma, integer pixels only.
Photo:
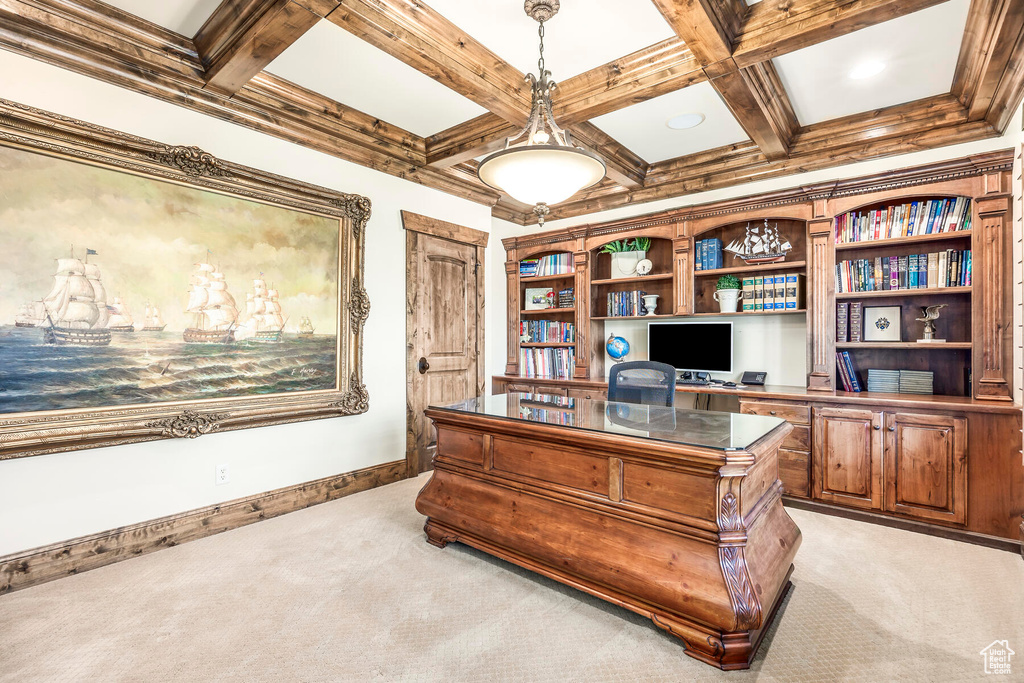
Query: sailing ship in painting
[
  {"x": 31, "y": 314},
  {"x": 213, "y": 308},
  {"x": 760, "y": 245},
  {"x": 264, "y": 321},
  {"x": 120, "y": 319},
  {"x": 306, "y": 328},
  {"x": 152, "y": 321},
  {"x": 75, "y": 310}
]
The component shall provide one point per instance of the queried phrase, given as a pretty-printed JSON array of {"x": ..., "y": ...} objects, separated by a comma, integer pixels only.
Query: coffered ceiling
[{"x": 423, "y": 91}]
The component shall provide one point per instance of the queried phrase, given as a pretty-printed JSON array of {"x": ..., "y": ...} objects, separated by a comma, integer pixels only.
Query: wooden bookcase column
[
  {"x": 821, "y": 305},
  {"x": 512, "y": 304},
  {"x": 992, "y": 264},
  {"x": 683, "y": 264},
  {"x": 581, "y": 265}
]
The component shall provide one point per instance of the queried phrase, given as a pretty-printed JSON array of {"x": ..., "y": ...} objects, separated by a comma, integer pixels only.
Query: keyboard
[{"x": 693, "y": 382}]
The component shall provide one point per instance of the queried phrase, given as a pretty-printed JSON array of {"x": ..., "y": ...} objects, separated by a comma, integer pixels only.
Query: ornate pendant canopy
[{"x": 540, "y": 165}]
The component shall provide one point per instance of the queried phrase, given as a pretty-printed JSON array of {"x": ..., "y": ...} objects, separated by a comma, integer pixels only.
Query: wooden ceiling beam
[
  {"x": 623, "y": 166},
  {"x": 989, "y": 77},
  {"x": 770, "y": 29},
  {"x": 754, "y": 95},
  {"x": 99, "y": 41},
  {"x": 653, "y": 71},
  {"x": 242, "y": 37},
  {"x": 417, "y": 35},
  {"x": 925, "y": 124}
]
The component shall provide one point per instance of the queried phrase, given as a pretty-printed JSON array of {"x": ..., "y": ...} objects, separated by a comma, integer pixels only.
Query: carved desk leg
[{"x": 438, "y": 536}]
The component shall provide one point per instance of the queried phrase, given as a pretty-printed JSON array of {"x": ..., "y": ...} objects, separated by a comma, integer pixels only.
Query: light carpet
[{"x": 351, "y": 591}]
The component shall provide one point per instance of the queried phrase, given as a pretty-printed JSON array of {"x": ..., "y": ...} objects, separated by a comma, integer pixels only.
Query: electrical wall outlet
[{"x": 222, "y": 475}]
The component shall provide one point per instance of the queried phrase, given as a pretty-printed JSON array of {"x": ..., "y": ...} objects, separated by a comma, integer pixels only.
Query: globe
[{"x": 618, "y": 348}]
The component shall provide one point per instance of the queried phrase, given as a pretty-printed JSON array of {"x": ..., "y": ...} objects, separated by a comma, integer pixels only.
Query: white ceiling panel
[
  {"x": 583, "y": 35},
  {"x": 181, "y": 16},
  {"x": 919, "y": 52},
  {"x": 333, "y": 62},
  {"x": 642, "y": 127}
]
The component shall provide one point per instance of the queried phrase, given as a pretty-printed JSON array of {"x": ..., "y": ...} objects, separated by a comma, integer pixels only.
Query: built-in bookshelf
[
  {"x": 905, "y": 256},
  {"x": 547, "y": 316},
  {"x": 619, "y": 294},
  {"x": 757, "y": 279}
]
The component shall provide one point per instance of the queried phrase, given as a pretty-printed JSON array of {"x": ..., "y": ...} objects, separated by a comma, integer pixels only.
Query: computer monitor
[{"x": 697, "y": 346}]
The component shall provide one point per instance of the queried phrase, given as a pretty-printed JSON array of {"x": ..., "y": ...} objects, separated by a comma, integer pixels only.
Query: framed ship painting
[{"x": 152, "y": 291}]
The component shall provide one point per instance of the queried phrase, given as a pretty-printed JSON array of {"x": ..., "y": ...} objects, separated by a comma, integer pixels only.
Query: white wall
[
  {"x": 783, "y": 334},
  {"x": 46, "y": 499}
]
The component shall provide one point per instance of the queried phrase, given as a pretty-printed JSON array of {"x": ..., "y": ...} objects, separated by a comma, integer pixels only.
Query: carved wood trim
[
  {"x": 46, "y": 432},
  {"x": 56, "y": 561},
  {"x": 991, "y": 325},
  {"x": 820, "y": 306},
  {"x": 581, "y": 293},
  {"x": 443, "y": 229},
  {"x": 512, "y": 306}
]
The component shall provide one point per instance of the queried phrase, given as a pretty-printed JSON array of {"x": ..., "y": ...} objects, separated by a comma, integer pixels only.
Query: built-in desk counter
[{"x": 675, "y": 514}]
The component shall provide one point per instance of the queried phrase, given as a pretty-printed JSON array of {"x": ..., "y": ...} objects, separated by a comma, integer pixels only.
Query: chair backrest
[{"x": 644, "y": 382}]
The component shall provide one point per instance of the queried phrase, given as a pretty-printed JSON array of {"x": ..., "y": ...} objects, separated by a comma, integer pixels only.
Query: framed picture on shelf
[
  {"x": 539, "y": 298},
  {"x": 882, "y": 324}
]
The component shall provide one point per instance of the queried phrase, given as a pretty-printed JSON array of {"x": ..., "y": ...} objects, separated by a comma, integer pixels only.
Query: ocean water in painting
[{"x": 151, "y": 367}]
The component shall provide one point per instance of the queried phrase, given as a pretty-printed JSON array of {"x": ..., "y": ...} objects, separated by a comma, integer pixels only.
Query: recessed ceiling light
[
  {"x": 867, "y": 70},
  {"x": 684, "y": 121}
]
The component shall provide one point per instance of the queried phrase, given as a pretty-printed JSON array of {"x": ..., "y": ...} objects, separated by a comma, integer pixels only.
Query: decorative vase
[
  {"x": 727, "y": 299},
  {"x": 650, "y": 303},
  {"x": 624, "y": 263}
]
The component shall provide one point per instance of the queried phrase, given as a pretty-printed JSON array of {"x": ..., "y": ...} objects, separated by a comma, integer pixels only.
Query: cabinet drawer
[
  {"x": 795, "y": 413},
  {"x": 799, "y": 439},
  {"x": 795, "y": 472},
  {"x": 596, "y": 394}
]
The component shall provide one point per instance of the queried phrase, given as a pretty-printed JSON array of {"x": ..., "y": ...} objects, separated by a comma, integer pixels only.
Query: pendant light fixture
[{"x": 540, "y": 165}]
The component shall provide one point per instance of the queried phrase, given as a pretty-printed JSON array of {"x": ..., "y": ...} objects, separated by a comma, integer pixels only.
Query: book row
[
  {"x": 883, "y": 381},
  {"x": 708, "y": 254},
  {"x": 547, "y": 363},
  {"x": 950, "y": 268},
  {"x": 783, "y": 292},
  {"x": 626, "y": 304},
  {"x": 549, "y": 416},
  {"x": 904, "y": 220},
  {"x": 553, "y": 264},
  {"x": 547, "y": 331}
]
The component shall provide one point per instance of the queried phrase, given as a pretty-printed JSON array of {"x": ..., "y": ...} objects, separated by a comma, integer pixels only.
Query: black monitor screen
[{"x": 705, "y": 347}]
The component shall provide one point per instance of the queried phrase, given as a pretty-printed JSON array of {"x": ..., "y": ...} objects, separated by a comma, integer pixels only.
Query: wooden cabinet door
[
  {"x": 926, "y": 466},
  {"x": 848, "y": 457}
]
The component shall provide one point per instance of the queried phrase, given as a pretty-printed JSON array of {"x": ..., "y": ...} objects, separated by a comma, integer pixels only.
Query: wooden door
[
  {"x": 848, "y": 457},
  {"x": 444, "y": 335},
  {"x": 926, "y": 466}
]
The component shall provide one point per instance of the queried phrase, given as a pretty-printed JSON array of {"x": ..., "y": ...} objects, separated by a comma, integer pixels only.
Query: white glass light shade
[{"x": 541, "y": 174}]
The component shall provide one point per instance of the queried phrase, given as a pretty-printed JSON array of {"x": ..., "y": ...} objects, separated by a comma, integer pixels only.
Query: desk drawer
[
  {"x": 597, "y": 394},
  {"x": 524, "y": 388},
  {"x": 791, "y": 412},
  {"x": 799, "y": 439},
  {"x": 795, "y": 472}
]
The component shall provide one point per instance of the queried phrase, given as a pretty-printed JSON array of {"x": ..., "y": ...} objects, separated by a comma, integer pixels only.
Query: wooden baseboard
[
  {"x": 997, "y": 542},
  {"x": 39, "y": 565}
]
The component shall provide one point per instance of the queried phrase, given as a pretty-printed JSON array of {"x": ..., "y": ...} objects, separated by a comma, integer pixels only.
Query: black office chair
[{"x": 643, "y": 381}]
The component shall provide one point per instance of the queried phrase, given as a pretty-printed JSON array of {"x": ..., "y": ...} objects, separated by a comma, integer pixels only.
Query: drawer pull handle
[
  {"x": 892, "y": 429},
  {"x": 877, "y": 427},
  {"x": 771, "y": 412}
]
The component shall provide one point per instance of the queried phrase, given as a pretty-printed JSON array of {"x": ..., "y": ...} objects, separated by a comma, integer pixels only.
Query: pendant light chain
[{"x": 540, "y": 62}]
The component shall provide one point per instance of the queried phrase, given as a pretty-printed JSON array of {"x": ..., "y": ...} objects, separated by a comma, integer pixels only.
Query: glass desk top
[{"x": 701, "y": 428}]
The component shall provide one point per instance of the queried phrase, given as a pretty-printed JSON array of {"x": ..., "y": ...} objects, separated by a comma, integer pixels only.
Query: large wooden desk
[{"x": 674, "y": 514}]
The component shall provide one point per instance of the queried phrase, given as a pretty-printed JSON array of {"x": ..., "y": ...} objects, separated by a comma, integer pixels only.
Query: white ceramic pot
[
  {"x": 650, "y": 303},
  {"x": 727, "y": 299},
  {"x": 624, "y": 263}
]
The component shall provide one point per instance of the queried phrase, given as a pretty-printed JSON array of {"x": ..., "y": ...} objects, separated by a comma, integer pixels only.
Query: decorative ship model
[
  {"x": 761, "y": 245},
  {"x": 264, "y": 322},
  {"x": 153, "y": 323},
  {"x": 212, "y": 307},
  {"x": 306, "y": 328},
  {"x": 76, "y": 308},
  {"x": 120, "y": 319}
]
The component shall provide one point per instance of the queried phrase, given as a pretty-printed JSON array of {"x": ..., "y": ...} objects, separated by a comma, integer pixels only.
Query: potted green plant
[
  {"x": 626, "y": 254},
  {"x": 727, "y": 293}
]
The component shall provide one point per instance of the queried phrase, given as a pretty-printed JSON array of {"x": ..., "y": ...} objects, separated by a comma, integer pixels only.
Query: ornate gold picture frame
[{"x": 241, "y": 350}]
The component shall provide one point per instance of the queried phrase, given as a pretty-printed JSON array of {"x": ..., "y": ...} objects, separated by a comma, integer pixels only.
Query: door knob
[{"x": 423, "y": 365}]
